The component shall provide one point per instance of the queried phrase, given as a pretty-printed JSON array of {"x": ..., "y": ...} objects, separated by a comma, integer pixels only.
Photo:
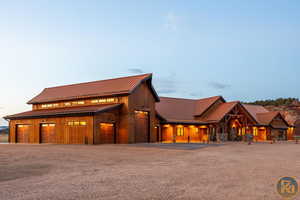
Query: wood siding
[{"x": 142, "y": 99}]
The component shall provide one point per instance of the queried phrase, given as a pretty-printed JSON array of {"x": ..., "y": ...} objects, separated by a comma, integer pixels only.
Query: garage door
[
  {"x": 22, "y": 133},
  {"x": 141, "y": 126},
  {"x": 48, "y": 133},
  {"x": 76, "y": 131},
  {"x": 107, "y": 133}
]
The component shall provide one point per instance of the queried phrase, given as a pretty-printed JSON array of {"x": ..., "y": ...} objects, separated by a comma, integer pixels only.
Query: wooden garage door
[
  {"x": 76, "y": 131},
  {"x": 48, "y": 133},
  {"x": 141, "y": 126},
  {"x": 22, "y": 133},
  {"x": 107, "y": 133}
]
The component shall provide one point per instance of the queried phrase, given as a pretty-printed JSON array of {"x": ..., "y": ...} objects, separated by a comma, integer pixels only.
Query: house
[
  {"x": 120, "y": 110},
  {"x": 214, "y": 119},
  {"x": 128, "y": 110}
]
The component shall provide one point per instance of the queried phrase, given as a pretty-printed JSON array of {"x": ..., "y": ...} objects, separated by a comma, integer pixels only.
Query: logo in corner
[{"x": 287, "y": 187}]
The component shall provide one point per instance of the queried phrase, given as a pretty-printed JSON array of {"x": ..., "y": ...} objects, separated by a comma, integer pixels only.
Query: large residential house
[{"x": 128, "y": 110}]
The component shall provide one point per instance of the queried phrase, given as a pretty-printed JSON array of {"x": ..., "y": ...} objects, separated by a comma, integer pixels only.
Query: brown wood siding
[
  {"x": 61, "y": 129},
  {"x": 278, "y": 122},
  {"x": 141, "y": 124},
  {"x": 111, "y": 117},
  {"x": 141, "y": 99}
]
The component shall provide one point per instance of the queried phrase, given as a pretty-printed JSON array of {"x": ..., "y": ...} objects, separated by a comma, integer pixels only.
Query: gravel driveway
[{"x": 231, "y": 171}]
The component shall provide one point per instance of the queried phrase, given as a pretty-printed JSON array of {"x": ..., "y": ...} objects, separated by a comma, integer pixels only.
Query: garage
[
  {"x": 141, "y": 126},
  {"x": 107, "y": 133},
  {"x": 22, "y": 133},
  {"x": 48, "y": 133}
]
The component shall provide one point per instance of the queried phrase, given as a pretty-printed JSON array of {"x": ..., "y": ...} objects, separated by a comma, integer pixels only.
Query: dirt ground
[{"x": 232, "y": 171}]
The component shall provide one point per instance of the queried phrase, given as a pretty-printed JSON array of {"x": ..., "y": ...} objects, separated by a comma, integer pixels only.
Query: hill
[{"x": 289, "y": 107}]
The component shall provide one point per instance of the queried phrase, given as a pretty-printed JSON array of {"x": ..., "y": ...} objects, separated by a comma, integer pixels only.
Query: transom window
[
  {"x": 77, "y": 123},
  {"x": 48, "y": 125}
]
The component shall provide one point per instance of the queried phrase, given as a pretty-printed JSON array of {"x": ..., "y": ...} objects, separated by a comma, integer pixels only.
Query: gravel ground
[{"x": 232, "y": 171}]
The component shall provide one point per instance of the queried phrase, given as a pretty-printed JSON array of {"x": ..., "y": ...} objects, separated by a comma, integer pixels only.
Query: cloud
[
  {"x": 218, "y": 85},
  {"x": 136, "y": 70},
  {"x": 172, "y": 21},
  {"x": 165, "y": 85}
]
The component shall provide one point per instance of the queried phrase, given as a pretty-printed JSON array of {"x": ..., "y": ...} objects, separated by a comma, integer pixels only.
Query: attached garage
[
  {"x": 141, "y": 119},
  {"x": 107, "y": 133},
  {"x": 22, "y": 133},
  {"x": 47, "y": 134}
]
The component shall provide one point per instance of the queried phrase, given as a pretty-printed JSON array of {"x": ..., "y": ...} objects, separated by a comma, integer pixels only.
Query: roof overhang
[{"x": 63, "y": 112}]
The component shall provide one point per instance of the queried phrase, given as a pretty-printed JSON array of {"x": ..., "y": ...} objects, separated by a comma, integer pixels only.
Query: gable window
[{"x": 180, "y": 131}]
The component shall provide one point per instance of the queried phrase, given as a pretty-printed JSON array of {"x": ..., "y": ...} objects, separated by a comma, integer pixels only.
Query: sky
[{"x": 242, "y": 50}]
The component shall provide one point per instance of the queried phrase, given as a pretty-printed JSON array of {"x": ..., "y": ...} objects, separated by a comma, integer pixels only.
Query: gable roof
[
  {"x": 86, "y": 110},
  {"x": 184, "y": 110},
  {"x": 202, "y": 105},
  {"x": 219, "y": 113},
  {"x": 102, "y": 88},
  {"x": 262, "y": 115}
]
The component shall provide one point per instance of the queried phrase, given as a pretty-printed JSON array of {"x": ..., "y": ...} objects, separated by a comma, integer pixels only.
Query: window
[
  {"x": 197, "y": 130},
  {"x": 50, "y": 105},
  {"x": 82, "y": 123},
  {"x": 77, "y": 123},
  {"x": 67, "y": 103},
  {"x": 141, "y": 112},
  {"x": 180, "y": 131},
  {"x": 80, "y": 102},
  {"x": 254, "y": 131},
  {"x": 107, "y": 100}
]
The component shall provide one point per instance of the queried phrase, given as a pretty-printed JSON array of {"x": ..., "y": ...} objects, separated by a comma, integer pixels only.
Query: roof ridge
[
  {"x": 206, "y": 98},
  {"x": 111, "y": 79}
]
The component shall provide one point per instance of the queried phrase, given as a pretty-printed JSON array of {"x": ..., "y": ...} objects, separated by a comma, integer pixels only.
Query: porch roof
[{"x": 83, "y": 110}]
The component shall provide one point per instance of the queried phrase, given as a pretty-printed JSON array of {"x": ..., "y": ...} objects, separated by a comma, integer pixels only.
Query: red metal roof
[
  {"x": 178, "y": 109},
  {"x": 64, "y": 111},
  {"x": 110, "y": 87}
]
